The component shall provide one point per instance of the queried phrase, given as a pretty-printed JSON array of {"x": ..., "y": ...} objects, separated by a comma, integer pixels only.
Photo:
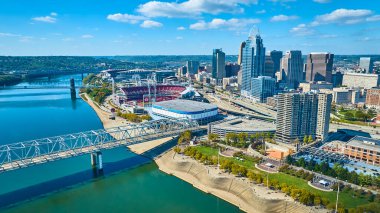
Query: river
[{"x": 131, "y": 183}]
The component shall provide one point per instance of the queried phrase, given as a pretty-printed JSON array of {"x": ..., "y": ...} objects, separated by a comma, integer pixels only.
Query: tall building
[
  {"x": 182, "y": 71},
  {"x": 276, "y": 58},
  {"x": 269, "y": 67},
  {"x": 296, "y": 116},
  {"x": 292, "y": 66},
  {"x": 218, "y": 64},
  {"x": 337, "y": 79},
  {"x": 319, "y": 67},
  {"x": 373, "y": 98},
  {"x": 232, "y": 69},
  {"x": 192, "y": 67},
  {"x": 366, "y": 64},
  {"x": 253, "y": 61},
  {"x": 323, "y": 116},
  {"x": 262, "y": 88},
  {"x": 242, "y": 45}
]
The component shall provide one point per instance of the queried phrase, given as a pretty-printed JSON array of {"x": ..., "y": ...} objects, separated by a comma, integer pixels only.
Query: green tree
[
  {"x": 213, "y": 137},
  {"x": 305, "y": 139},
  {"x": 310, "y": 139},
  {"x": 349, "y": 116}
]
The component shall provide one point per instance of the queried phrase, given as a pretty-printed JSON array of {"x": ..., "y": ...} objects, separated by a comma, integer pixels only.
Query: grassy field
[{"x": 345, "y": 198}]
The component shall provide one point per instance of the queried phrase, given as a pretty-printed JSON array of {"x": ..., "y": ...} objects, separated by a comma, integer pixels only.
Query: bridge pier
[
  {"x": 72, "y": 89},
  {"x": 97, "y": 160}
]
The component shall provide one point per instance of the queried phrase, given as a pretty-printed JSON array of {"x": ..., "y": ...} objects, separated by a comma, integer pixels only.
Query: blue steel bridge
[{"x": 24, "y": 154}]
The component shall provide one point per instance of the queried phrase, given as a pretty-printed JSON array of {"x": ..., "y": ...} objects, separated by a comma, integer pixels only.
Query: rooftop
[
  {"x": 183, "y": 105},
  {"x": 245, "y": 124},
  {"x": 365, "y": 143}
]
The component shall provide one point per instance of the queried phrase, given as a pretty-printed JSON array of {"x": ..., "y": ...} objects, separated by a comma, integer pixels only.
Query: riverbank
[
  {"x": 109, "y": 123},
  {"x": 238, "y": 191}
]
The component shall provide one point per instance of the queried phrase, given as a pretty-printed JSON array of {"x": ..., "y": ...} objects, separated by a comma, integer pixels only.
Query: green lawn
[{"x": 346, "y": 198}]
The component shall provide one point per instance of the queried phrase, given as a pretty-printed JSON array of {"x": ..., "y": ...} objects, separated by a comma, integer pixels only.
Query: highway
[{"x": 231, "y": 108}]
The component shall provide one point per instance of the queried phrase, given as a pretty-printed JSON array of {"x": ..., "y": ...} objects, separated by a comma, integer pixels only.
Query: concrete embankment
[{"x": 248, "y": 197}]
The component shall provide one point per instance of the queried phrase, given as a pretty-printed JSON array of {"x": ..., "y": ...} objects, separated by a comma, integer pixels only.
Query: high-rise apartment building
[
  {"x": 218, "y": 64},
  {"x": 292, "y": 66},
  {"x": 253, "y": 61},
  {"x": 276, "y": 58},
  {"x": 192, "y": 67},
  {"x": 319, "y": 67},
  {"x": 366, "y": 64},
  {"x": 323, "y": 116},
  {"x": 302, "y": 114},
  {"x": 262, "y": 88}
]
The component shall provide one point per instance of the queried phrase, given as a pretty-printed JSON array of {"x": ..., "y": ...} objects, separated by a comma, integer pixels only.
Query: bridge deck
[{"x": 24, "y": 154}]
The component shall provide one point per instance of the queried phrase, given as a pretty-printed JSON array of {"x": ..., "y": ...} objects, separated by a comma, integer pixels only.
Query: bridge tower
[
  {"x": 72, "y": 89},
  {"x": 97, "y": 160}
]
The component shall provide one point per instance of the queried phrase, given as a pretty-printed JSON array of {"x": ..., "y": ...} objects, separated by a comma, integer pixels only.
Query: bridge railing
[{"x": 41, "y": 150}]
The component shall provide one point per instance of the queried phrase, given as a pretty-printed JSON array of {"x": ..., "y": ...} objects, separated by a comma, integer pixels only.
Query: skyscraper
[
  {"x": 192, "y": 67},
  {"x": 269, "y": 67},
  {"x": 218, "y": 64},
  {"x": 259, "y": 67},
  {"x": 276, "y": 58},
  {"x": 296, "y": 116},
  {"x": 292, "y": 66},
  {"x": 319, "y": 67},
  {"x": 253, "y": 60},
  {"x": 323, "y": 116},
  {"x": 262, "y": 88},
  {"x": 242, "y": 45},
  {"x": 366, "y": 64}
]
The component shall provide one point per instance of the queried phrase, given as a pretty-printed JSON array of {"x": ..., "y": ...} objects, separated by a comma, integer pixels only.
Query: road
[{"x": 228, "y": 107}]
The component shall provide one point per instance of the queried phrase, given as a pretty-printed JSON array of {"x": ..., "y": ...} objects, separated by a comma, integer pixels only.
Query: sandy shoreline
[
  {"x": 238, "y": 191},
  {"x": 108, "y": 123}
]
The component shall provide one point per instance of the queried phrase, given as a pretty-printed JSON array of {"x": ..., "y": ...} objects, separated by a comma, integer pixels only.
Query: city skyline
[{"x": 188, "y": 27}]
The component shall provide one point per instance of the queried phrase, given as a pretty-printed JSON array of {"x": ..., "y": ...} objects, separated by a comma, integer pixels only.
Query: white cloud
[
  {"x": 282, "y": 1},
  {"x": 150, "y": 24},
  {"x": 181, "y": 28},
  {"x": 230, "y": 24},
  {"x": 191, "y": 8},
  {"x": 53, "y": 14},
  {"x": 9, "y": 35},
  {"x": 301, "y": 30},
  {"x": 329, "y": 36},
  {"x": 87, "y": 36},
  {"x": 343, "y": 16},
  {"x": 322, "y": 1},
  {"x": 179, "y": 38},
  {"x": 373, "y": 18},
  {"x": 126, "y": 18},
  {"x": 283, "y": 18},
  {"x": 46, "y": 19},
  {"x": 261, "y": 12},
  {"x": 67, "y": 39}
]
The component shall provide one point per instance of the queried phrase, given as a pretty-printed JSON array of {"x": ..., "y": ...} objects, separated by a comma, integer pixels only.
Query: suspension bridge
[{"x": 24, "y": 154}]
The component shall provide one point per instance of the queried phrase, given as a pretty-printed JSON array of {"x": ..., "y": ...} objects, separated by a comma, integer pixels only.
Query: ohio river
[{"x": 130, "y": 183}]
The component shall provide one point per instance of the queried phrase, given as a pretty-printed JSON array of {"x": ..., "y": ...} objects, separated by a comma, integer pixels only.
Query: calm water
[{"x": 130, "y": 183}]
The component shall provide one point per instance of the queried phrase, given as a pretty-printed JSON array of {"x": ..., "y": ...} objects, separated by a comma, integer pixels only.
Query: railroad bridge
[{"x": 24, "y": 154}]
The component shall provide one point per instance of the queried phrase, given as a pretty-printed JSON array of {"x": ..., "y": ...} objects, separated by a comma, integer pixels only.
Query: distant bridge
[
  {"x": 49, "y": 85},
  {"x": 24, "y": 154},
  {"x": 45, "y": 87}
]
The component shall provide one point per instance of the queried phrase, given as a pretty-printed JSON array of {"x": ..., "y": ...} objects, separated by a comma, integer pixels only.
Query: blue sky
[{"x": 169, "y": 27}]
